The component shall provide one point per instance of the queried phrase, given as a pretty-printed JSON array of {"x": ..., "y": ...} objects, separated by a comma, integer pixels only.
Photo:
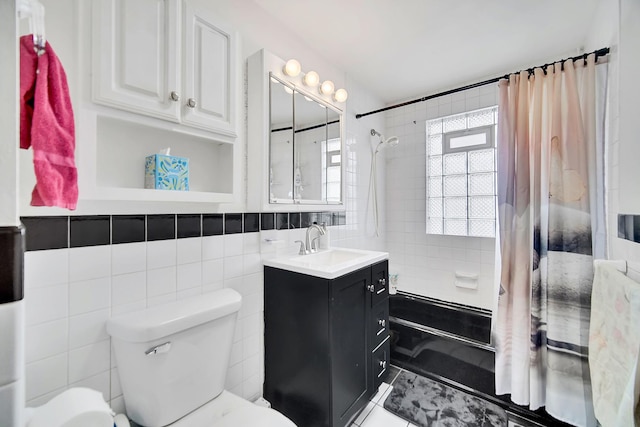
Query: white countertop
[{"x": 328, "y": 263}]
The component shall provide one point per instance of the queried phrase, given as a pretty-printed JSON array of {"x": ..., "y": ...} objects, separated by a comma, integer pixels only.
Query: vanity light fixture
[
  {"x": 327, "y": 87},
  {"x": 311, "y": 79},
  {"x": 292, "y": 68},
  {"x": 340, "y": 95}
]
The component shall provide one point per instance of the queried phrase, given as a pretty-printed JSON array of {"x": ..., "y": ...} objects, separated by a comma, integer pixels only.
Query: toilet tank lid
[{"x": 164, "y": 320}]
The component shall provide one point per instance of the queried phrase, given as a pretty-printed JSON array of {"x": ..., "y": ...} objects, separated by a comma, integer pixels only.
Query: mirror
[
  {"x": 305, "y": 148},
  {"x": 281, "y": 143}
]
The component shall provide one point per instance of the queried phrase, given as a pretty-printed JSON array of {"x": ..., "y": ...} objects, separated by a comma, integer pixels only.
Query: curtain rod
[{"x": 600, "y": 52}]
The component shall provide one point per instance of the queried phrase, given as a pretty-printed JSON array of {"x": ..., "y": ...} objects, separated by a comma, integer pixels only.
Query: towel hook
[{"x": 34, "y": 11}]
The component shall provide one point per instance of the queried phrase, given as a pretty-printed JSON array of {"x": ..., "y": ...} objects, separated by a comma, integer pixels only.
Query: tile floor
[{"x": 374, "y": 414}]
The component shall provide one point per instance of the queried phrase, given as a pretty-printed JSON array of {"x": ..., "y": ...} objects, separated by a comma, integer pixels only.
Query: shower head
[{"x": 391, "y": 141}]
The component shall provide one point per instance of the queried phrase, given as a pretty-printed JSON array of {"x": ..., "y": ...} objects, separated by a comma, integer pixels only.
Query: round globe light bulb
[
  {"x": 292, "y": 68},
  {"x": 340, "y": 95},
  {"x": 327, "y": 87},
  {"x": 311, "y": 79}
]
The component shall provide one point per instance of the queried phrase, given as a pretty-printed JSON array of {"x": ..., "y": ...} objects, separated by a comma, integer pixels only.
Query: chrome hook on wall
[{"x": 34, "y": 11}]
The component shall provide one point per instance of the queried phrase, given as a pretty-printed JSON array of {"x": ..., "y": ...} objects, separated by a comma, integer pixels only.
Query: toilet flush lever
[{"x": 162, "y": 348}]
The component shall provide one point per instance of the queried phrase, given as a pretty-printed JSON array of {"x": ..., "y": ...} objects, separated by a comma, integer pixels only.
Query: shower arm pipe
[{"x": 599, "y": 52}]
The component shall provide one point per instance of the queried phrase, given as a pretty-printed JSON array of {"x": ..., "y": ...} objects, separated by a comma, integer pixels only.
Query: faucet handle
[{"x": 303, "y": 250}]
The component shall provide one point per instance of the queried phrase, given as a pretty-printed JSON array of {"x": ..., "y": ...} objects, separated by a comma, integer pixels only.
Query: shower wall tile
[{"x": 426, "y": 264}]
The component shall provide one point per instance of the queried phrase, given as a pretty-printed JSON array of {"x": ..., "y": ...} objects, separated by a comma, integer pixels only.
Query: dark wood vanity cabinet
[{"x": 326, "y": 343}]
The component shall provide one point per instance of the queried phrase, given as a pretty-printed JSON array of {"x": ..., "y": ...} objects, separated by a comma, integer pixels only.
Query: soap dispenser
[{"x": 325, "y": 242}]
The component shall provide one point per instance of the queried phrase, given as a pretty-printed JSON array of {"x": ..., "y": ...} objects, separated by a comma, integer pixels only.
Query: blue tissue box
[{"x": 163, "y": 172}]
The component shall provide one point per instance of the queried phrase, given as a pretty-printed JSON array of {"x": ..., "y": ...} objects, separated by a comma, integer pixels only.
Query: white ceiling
[{"x": 405, "y": 49}]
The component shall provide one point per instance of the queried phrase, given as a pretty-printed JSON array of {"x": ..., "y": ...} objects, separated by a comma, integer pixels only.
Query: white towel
[{"x": 614, "y": 346}]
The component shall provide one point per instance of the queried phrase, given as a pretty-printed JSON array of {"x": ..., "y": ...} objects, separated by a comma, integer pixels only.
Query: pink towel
[{"x": 46, "y": 125}]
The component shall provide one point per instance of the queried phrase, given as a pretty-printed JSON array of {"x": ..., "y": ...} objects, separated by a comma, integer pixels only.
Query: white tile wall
[
  {"x": 69, "y": 293},
  {"x": 427, "y": 264},
  {"x": 66, "y": 339}
]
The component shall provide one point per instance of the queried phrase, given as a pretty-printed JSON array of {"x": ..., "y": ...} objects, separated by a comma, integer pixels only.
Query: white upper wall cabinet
[
  {"x": 148, "y": 60},
  {"x": 209, "y": 76},
  {"x": 136, "y": 56}
]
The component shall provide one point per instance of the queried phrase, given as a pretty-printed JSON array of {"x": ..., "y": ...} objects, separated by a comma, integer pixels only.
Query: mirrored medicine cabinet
[{"x": 305, "y": 147}]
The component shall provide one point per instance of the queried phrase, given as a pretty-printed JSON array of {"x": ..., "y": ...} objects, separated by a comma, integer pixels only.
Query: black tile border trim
[
  {"x": 629, "y": 227},
  {"x": 12, "y": 244},
  {"x": 54, "y": 232}
]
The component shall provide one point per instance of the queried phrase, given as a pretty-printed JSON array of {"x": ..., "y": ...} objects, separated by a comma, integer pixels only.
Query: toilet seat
[
  {"x": 253, "y": 416},
  {"x": 229, "y": 410}
]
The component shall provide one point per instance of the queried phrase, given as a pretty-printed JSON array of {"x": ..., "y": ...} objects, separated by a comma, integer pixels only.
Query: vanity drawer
[
  {"x": 380, "y": 282},
  {"x": 379, "y": 326},
  {"x": 380, "y": 362}
]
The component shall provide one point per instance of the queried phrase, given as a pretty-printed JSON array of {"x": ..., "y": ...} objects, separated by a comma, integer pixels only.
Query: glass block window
[{"x": 461, "y": 173}]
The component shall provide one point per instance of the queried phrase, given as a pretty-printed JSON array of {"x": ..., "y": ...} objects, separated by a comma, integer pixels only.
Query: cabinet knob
[
  {"x": 382, "y": 282},
  {"x": 382, "y": 322},
  {"x": 371, "y": 288},
  {"x": 191, "y": 103},
  {"x": 175, "y": 96},
  {"x": 383, "y": 364}
]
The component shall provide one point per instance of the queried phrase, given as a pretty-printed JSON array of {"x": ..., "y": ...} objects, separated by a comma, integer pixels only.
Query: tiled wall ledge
[
  {"x": 11, "y": 253},
  {"x": 629, "y": 227},
  {"x": 58, "y": 232}
]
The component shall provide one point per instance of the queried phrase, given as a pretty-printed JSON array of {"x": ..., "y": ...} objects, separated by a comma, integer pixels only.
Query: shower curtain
[{"x": 551, "y": 222}]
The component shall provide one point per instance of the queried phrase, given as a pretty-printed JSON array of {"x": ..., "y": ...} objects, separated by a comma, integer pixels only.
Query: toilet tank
[{"x": 173, "y": 358}]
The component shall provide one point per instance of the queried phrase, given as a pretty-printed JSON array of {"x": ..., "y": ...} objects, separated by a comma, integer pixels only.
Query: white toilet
[{"x": 173, "y": 359}]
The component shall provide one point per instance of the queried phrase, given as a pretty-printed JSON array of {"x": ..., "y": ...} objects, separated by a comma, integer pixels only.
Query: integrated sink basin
[{"x": 328, "y": 263}]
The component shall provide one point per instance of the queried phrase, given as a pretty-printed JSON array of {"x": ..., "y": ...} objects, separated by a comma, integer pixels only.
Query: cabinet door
[
  {"x": 135, "y": 56},
  {"x": 349, "y": 348},
  {"x": 209, "y": 73}
]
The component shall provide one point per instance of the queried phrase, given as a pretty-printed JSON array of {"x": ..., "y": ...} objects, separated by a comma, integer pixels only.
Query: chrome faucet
[{"x": 309, "y": 244}]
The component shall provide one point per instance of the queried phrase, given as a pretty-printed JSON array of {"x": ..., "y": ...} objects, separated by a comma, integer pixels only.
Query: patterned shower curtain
[{"x": 550, "y": 204}]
